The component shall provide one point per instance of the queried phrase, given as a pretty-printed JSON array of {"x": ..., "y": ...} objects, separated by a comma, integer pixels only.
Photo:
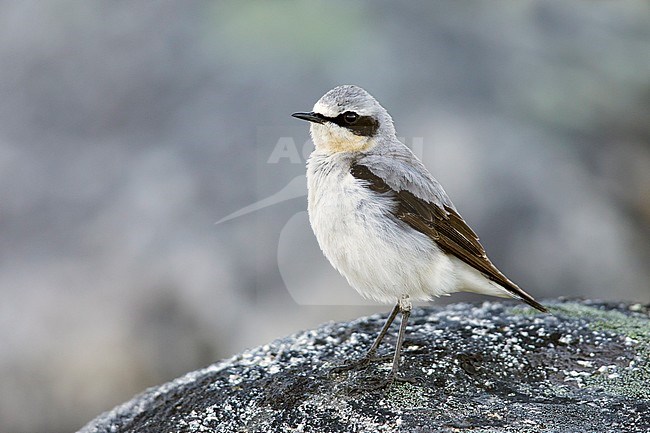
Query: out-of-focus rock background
[{"x": 128, "y": 128}]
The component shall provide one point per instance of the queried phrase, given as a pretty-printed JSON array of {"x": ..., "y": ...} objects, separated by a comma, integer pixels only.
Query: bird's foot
[
  {"x": 358, "y": 364},
  {"x": 374, "y": 384}
]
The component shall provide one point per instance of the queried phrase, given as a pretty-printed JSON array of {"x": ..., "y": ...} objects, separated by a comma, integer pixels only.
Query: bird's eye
[{"x": 350, "y": 117}]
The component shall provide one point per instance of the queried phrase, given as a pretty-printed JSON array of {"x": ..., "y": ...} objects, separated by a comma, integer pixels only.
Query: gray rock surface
[{"x": 491, "y": 367}]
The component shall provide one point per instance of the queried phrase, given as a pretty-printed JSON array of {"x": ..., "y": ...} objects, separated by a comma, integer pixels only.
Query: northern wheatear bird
[{"x": 383, "y": 221}]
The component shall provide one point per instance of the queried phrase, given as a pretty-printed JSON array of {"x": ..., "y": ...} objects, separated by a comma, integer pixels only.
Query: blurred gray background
[{"x": 127, "y": 129}]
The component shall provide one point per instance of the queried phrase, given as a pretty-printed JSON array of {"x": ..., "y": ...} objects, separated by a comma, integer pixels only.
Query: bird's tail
[{"x": 517, "y": 292}]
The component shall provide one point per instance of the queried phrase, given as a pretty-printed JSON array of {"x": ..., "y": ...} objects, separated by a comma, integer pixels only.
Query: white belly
[{"x": 381, "y": 257}]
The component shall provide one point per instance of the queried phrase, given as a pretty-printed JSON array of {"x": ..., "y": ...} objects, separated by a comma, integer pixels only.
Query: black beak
[{"x": 310, "y": 117}]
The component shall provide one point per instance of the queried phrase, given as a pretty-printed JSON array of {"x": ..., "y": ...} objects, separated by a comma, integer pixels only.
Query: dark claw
[{"x": 413, "y": 380}]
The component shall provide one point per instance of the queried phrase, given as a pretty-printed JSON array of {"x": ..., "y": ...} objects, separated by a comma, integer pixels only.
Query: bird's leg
[
  {"x": 404, "y": 306},
  {"x": 384, "y": 330},
  {"x": 369, "y": 356},
  {"x": 405, "y": 309}
]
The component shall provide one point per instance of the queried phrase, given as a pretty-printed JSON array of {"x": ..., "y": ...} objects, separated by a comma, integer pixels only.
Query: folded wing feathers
[{"x": 445, "y": 226}]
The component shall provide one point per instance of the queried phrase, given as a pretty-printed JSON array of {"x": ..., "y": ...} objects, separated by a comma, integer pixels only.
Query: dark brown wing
[{"x": 446, "y": 227}]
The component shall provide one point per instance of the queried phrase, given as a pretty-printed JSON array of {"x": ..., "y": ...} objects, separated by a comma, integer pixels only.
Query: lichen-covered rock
[{"x": 493, "y": 367}]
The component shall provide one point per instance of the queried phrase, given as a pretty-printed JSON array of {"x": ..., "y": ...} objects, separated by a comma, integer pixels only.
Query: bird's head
[{"x": 347, "y": 119}]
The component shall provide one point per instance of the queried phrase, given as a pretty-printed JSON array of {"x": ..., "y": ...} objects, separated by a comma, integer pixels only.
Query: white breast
[{"x": 381, "y": 257}]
